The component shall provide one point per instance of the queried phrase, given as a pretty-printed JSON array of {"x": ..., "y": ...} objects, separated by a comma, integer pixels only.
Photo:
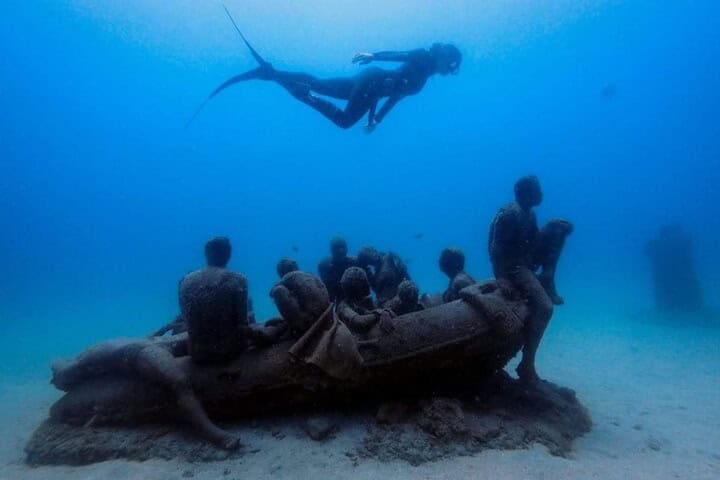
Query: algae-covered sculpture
[
  {"x": 214, "y": 303},
  {"x": 110, "y": 411},
  {"x": 550, "y": 242},
  {"x": 455, "y": 343},
  {"x": 516, "y": 249},
  {"x": 407, "y": 299},
  {"x": 319, "y": 355},
  {"x": 385, "y": 272},
  {"x": 332, "y": 268}
]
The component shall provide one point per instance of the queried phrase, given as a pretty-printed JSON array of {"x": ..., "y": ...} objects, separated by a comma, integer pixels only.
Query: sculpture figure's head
[
  {"x": 408, "y": 292},
  {"x": 301, "y": 298},
  {"x": 285, "y": 266},
  {"x": 528, "y": 193},
  {"x": 452, "y": 261},
  {"x": 355, "y": 284},
  {"x": 338, "y": 248},
  {"x": 218, "y": 251}
]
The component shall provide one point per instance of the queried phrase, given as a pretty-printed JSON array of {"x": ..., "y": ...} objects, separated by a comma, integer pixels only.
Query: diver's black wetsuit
[{"x": 364, "y": 90}]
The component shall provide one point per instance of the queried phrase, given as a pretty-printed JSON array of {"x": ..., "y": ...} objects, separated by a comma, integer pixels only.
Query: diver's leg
[
  {"x": 298, "y": 83},
  {"x": 354, "y": 110},
  {"x": 357, "y": 90},
  {"x": 157, "y": 365},
  {"x": 541, "y": 309}
]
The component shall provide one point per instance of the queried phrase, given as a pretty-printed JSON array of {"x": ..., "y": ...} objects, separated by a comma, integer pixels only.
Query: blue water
[{"x": 106, "y": 200}]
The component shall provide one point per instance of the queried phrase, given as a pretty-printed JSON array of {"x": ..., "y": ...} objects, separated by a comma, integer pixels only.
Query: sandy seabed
[{"x": 652, "y": 387}]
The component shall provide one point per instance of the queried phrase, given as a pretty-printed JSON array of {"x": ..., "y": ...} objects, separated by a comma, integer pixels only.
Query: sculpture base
[{"x": 502, "y": 414}]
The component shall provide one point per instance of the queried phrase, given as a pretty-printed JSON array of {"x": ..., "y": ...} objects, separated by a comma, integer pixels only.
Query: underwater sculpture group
[{"x": 333, "y": 344}]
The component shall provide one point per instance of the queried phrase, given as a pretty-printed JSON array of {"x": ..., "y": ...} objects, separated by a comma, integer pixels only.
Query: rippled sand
[{"x": 652, "y": 388}]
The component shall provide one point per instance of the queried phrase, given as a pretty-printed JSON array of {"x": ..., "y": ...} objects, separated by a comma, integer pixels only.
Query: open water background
[{"x": 106, "y": 200}]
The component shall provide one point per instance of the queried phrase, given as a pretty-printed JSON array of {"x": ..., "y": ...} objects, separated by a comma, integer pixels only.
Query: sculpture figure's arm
[{"x": 355, "y": 321}]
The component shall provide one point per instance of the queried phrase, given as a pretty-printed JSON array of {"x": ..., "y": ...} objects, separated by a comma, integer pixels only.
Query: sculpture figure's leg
[
  {"x": 156, "y": 364},
  {"x": 541, "y": 309}
]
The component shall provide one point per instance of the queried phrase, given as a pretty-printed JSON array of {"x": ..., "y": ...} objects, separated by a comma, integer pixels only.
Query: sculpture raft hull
[{"x": 450, "y": 345}]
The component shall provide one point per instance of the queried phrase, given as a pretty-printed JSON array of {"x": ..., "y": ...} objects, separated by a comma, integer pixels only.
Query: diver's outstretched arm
[
  {"x": 389, "y": 56},
  {"x": 387, "y": 106},
  {"x": 365, "y": 58}
]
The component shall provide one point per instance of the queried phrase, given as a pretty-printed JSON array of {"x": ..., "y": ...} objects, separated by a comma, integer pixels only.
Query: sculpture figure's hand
[
  {"x": 385, "y": 323},
  {"x": 363, "y": 58}
]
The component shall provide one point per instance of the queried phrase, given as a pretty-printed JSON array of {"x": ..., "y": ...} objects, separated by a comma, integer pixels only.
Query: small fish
[
  {"x": 408, "y": 260},
  {"x": 295, "y": 248},
  {"x": 418, "y": 236}
]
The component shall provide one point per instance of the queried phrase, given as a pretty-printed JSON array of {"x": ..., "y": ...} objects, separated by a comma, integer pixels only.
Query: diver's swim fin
[
  {"x": 263, "y": 72},
  {"x": 261, "y": 61}
]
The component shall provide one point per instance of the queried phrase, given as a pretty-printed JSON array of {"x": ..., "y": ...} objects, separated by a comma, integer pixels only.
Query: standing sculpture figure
[
  {"x": 385, "y": 272},
  {"x": 331, "y": 269}
]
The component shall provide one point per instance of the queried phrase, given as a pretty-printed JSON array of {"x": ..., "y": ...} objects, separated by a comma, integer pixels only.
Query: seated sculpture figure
[
  {"x": 406, "y": 300},
  {"x": 285, "y": 266},
  {"x": 385, "y": 272},
  {"x": 301, "y": 298},
  {"x": 512, "y": 245},
  {"x": 357, "y": 309},
  {"x": 215, "y": 250},
  {"x": 331, "y": 269},
  {"x": 214, "y": 303},
  {"x": 452, "y": 264},
  {"x": 551, "y": 241}
]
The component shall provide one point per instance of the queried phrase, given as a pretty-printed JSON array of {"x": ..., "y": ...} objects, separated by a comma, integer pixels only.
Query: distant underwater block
[{"x": 677, "y": 287}]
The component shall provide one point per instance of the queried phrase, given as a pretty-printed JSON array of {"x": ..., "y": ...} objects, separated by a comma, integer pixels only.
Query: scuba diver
[{"x": 362, "y": 91}]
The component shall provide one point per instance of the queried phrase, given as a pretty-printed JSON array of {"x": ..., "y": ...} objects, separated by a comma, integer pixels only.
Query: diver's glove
[{"x": 370, "y": 127}]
